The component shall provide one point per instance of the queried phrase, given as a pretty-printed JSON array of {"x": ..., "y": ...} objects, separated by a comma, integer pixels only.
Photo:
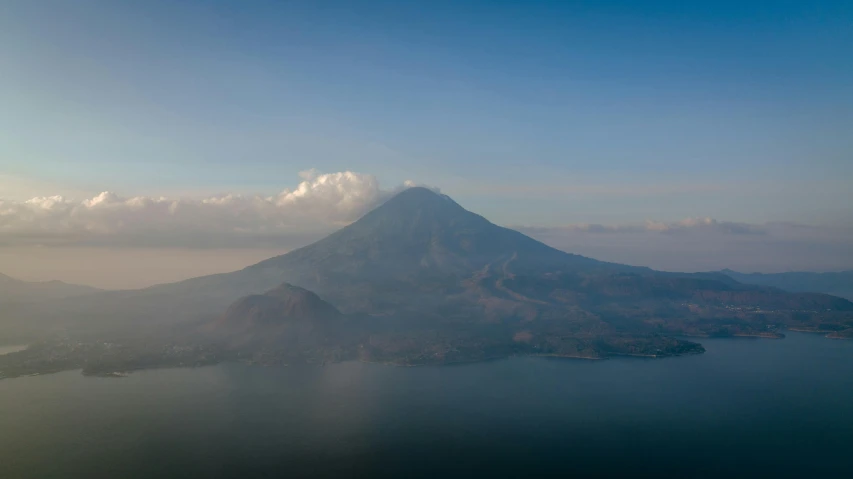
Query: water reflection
[{"x": 736, "y": 410}]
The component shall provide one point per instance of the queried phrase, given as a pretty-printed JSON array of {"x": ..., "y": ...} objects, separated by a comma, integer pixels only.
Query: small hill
[
  {"x": 287, "y": 317},
  {"x": 286, "y": 303}
]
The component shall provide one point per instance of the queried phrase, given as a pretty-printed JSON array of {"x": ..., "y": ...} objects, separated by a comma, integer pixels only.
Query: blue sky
[{"x": 538, "y": 113}]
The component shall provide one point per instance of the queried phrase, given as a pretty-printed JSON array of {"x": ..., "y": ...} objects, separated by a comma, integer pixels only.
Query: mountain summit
[
  {"x": 419, "y": 233},
  {"x": 422, "y": 256},
  {"x": 412, "y": 250},
  {"x": 421, "y": 280}
]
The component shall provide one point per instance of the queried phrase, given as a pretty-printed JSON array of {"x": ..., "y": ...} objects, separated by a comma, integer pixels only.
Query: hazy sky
[{"x": 590, "y": 123}]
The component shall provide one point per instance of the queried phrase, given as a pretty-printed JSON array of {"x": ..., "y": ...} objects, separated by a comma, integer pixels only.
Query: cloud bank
[
  {"x": 322, "y": 203},
  {"x": 319, "y": 204}
]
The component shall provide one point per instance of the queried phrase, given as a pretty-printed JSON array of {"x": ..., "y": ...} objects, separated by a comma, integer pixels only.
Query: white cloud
[{"x": 320, "y": 203}]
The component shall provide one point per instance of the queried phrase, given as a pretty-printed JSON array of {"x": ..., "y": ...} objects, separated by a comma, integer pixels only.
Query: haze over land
[
  {"x": 417, "y": 280},
  {"x": 226, "y": 172},
  {"x": 158, "y": 141},
  {"x": 426, "y": 238},
  {"x": 116, "y": 242}
]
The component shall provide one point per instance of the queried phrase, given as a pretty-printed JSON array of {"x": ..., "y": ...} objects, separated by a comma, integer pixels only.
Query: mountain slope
[
  {"x": 284, "y": 316},
  {"x": 421, "y": 232},
  {"x": 420, "y": 280},
  {"x": 15, "y": 290},
  {"x": 421, "y": 256},
  {"x": 415, "y": 247},
  {"x": 837, "y": 283},
  {"x": 287, "y": 303}
]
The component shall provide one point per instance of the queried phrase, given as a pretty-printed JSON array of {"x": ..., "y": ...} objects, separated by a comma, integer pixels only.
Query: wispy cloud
[
  {"x": 321, "y": 203},
  {"x": 704, "y": 224},
  {"x": 696, "y": 244},
  {"x": 614, "y": 190}
]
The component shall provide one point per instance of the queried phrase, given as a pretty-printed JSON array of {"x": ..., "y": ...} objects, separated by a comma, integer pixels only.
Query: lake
[{"x": 745, "y": 408}]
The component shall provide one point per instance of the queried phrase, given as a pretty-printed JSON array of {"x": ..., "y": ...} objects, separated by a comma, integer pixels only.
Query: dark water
[{"x": 746, "y": 408}]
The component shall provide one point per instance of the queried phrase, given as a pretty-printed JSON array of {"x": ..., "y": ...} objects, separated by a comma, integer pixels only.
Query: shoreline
[
  {"x": 13, "y": 348},
  {"x": 564, "y": 356},
  {"x": 826, "y": 333},
  {"x": 657, "y": 356},
  {"x": 130, "y": 371},
  {"x": 737, "y": 335},
  {"x": 126, "y": 372},
  {"x": 760, "y": 335},
  {"x": 541, "y": 355}
]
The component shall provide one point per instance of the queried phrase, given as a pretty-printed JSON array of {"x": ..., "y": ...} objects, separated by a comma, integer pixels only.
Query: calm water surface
[{"x": 746, "y": 408}]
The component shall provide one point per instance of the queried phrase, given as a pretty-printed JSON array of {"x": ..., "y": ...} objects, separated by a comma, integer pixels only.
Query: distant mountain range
[
  {"x": 421, "y": 280},
  {"x": 15, "y": 290},
  {"x": 836, "y": 283}
]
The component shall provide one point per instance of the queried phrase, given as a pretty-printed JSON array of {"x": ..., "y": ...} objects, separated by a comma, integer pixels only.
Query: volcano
[
  {"x": 420, "y": 280},
  {"x": 420, "y": 256}
]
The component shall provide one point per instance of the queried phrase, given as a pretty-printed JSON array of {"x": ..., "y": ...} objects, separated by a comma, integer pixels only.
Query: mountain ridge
[
  {"x": 419, "y": 254},
  {"x": 420, "y": 280},
  {"x": 17, "y": 290},
  {"x": 422, "y": 255},
  {"x": 838, "y": 283}
]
